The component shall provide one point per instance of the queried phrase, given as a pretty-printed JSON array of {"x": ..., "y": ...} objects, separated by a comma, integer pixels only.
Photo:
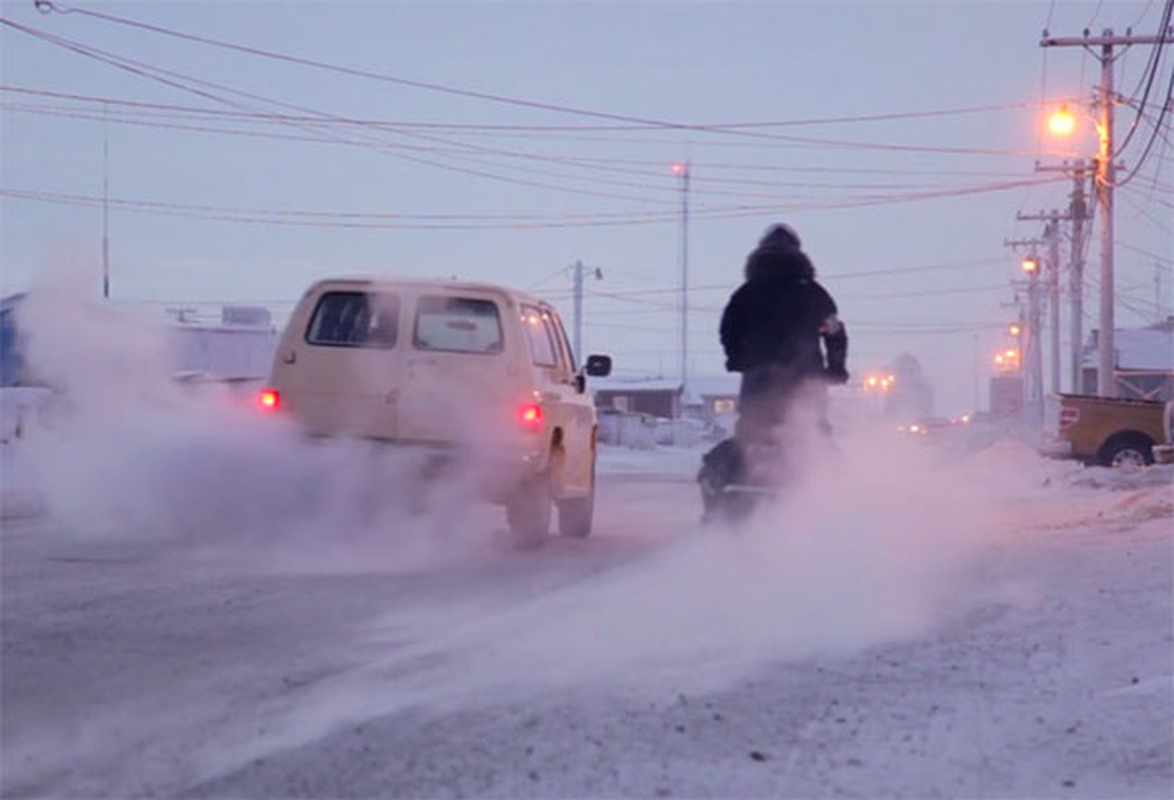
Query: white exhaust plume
[{"x": 876, "y": 540}]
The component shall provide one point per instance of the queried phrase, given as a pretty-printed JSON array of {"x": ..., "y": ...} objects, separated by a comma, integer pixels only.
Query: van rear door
[
  {"x": 461, "y": 376},
  {"x": 341, "y": 372}
]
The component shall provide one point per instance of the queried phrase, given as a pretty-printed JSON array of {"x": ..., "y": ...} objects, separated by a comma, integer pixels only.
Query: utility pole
[
  {"x": 1052, "y": 238},
  {"x": 1031, "y": 356},
  {"x": 682, "y": 169},
  {"x": 105, "y": 205},
  {"x": 578, "y": 284},
  {"x": 1105, "y": 178},
  {"x": 577, "y": 277},
  {"x": 1077, "y": 215},
  {"x": 1052, "y": 234}
]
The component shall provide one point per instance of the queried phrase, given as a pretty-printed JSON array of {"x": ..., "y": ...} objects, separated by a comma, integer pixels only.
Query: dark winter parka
[{"x": 775, "y": 320}]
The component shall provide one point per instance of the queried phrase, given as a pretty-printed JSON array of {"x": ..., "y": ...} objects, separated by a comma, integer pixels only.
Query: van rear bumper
[{"x": 491, "y": 473}]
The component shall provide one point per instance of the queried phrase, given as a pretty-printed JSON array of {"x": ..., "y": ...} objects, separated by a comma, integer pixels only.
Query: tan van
[{"x": 473, "y": 374}]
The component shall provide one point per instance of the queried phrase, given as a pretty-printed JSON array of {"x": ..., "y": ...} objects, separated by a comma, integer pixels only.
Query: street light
[
  {"x": 1014, "y": 329},
  {"x": 1062, "y": 121},
  {"x": 1031, "y": 265}
]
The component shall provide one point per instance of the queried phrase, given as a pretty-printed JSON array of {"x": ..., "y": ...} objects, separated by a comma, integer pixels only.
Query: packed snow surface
[{"x": 199, "y": 603}]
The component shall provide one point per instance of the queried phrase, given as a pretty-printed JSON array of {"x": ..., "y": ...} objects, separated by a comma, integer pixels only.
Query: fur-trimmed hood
[{"x": 779, "y": 265}]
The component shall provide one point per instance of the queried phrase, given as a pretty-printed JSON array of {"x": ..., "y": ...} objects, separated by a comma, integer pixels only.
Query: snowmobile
[{"x": 737, "y": 476}]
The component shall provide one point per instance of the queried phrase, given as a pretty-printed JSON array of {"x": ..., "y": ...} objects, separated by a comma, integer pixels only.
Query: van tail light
[
  {"x": 269, "y": 399},
  {"x": 1068, "y": 417},
  {"x": 530, "y": 416}
]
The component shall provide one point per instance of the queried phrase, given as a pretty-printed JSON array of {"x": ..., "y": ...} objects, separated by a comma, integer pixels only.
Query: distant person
[{"x": 780, "y": 330}]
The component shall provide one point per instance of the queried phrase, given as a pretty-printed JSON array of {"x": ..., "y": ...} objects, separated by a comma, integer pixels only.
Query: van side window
[
  {"x": 542, "y": 346},
  {"x": 458, "y": 325},
  {"x": 561, "y": 334},
  {"x": 354, "y": 319}
]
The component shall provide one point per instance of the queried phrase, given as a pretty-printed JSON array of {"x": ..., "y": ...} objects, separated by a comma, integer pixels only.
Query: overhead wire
[
  {"x": 1153, "y": 67},
  {"x": 735, "y": 129},
  {"x": 732, "y": 128},
  {"x": 477, "y": 127}
]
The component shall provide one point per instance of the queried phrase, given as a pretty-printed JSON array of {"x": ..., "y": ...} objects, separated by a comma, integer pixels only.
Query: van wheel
[
  {"x": 1127, "y": 451},
  {"x": 576, "y": 516},
  {"x": 529, "y": 510}
]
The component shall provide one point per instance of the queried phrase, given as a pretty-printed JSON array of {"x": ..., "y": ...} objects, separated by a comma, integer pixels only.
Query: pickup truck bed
[{"x": 1101, "y": 430}]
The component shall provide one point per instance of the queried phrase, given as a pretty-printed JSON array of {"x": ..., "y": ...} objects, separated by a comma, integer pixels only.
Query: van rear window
[
  {"x": 354, "y": 319},
  {"x": 458, "y": 325}
]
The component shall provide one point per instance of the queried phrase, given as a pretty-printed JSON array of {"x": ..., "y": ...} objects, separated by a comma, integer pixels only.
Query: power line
[
  {"x": 1166, "y": 259},
  {"x": 475, "y": 127},
  {"x": 568, "y": 161},
  {"x": 496, "y": 97},
  {"x": 659, "y": 124},
  {"x": 1153, "y": 65},
  {"x": 732, "y": 212}
]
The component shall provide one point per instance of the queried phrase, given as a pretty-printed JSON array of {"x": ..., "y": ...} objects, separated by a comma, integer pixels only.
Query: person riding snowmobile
[{"x": 771, "y": 331}]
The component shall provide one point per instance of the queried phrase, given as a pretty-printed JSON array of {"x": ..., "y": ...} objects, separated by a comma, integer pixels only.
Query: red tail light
[
  {"x": 268, "y": 399},
  {"x": 1069, "y": 416},
  {"x": 530, "y": 416}
]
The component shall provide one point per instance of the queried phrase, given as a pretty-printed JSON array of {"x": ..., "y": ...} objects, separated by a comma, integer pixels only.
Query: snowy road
[{"x": 151, "y": 667}]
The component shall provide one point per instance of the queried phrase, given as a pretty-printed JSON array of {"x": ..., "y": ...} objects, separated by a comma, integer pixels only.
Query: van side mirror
[{"x": 598, "y": 366}]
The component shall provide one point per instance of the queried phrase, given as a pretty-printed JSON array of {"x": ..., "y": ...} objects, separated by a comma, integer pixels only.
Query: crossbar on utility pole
[{"x": 1105, "y": 178}]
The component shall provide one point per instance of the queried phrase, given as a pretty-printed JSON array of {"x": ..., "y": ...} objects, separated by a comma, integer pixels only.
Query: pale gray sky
[{"x": 858, "y": 207}]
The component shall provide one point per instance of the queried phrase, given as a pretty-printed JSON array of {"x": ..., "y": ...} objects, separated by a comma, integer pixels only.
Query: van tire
[
  {"x": 577, "y": 515},
  {"x": 529, "y": 510},
  {"x": 1127, "y": 449}
]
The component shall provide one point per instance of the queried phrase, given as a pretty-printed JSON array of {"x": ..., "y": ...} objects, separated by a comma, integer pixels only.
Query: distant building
[
  {"x": 1006, "y": 399},
  {"x": 1144, "y": 359},
  {"x": 714, "y": 397},
  {"x": 658, "y": 397}
]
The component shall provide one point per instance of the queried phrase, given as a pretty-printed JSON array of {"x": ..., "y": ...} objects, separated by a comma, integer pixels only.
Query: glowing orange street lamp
[
  {"x": 1014, "y": 329},
  {"x": 1062, "y": 121},
  {"x": 1030, "y": 265}
]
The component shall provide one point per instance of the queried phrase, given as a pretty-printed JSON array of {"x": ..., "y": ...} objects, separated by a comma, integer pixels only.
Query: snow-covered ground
[
  {"x": 998, "y": 625},
  {"x": 210, "y": 606}
]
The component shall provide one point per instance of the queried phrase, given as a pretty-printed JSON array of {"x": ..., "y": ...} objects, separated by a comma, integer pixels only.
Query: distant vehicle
[
  {"x": 1112, "y": 432},
  {"x": 471, "y": 374},
  {"x": 925, "y": 426}
]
